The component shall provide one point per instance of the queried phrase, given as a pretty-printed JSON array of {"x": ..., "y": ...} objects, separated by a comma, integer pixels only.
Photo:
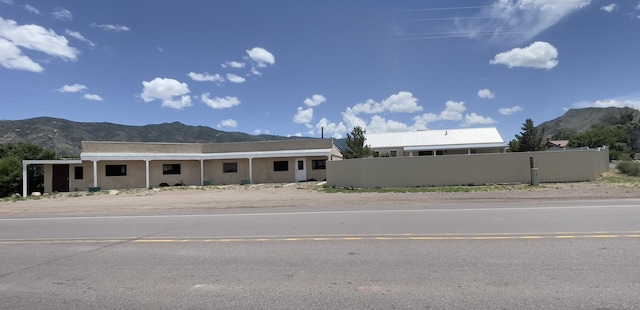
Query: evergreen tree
[
  {"x": 529, "y": 139},
  {"x": 355, "y": 144}
]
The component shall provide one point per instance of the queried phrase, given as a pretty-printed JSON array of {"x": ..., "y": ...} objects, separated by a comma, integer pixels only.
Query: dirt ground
[{"x": 290, "y": 195}]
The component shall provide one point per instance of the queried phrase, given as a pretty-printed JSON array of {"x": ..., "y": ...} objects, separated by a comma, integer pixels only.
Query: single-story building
[
  {"x": 121, "y": 165},
  {"x": 436, "y": 142}
]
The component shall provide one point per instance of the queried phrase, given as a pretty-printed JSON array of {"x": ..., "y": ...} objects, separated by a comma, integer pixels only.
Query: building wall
[
  {"x": 213, "y": 171},
  {"x": 189, "y": 173},
  {"x": 263, "y": 171},
  {"x": 568, "y": 166},
  {"x": 135, "y": 178},
  {"x": 87, "y": 177}
]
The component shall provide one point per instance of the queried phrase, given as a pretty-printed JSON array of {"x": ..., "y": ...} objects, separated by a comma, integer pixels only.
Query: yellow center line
[{"x": 398, "y": 237}]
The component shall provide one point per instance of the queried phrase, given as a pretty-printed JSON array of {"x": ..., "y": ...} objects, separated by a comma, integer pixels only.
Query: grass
[
  {"x": 434, "y": 189},
  {"x": 617, "y": 178}
]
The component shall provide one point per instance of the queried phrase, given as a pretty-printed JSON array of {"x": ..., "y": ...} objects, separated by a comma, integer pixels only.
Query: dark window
[
  {"x": 319, "y": 164},
  {"x": 229, "y": 167},
  {"x": 171, "y": 169},
  {"x": 115, "y": 170},
  {"x": 78, "y": 173},
  {"x": 300, "y": 165},
  {"x": 425, "y": 153},
  {"x": 281, "y": 165},
  {"x": 393, "y": 153}
]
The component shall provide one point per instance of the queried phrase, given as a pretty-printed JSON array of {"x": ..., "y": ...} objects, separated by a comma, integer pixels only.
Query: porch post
[
  {"x": 202, "y": 172},
  {"x": 95, "y": 173},
  {"x": 250, "y": 170},
  {"x": 24, "y": 179},
  {"x": 146, "y": 163}
]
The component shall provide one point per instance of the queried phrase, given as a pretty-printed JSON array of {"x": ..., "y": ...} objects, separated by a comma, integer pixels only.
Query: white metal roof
[{"x": 437, "y": 139}]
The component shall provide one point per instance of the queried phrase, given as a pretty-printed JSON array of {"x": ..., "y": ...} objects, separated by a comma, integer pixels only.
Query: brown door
[{"x": 60, "y": 178}]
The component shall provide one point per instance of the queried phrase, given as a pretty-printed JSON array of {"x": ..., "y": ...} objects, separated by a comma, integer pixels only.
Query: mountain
[
  {"x": 47, "y": 131},
  {"x": 581, "y": 120}
]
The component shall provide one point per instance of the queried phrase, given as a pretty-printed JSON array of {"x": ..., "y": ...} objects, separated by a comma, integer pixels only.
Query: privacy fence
[{"x": 473, "y": 169}]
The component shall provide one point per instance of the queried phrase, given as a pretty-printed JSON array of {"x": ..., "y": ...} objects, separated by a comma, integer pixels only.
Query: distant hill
[
  {"x": 42, "y": 131},
  {"x": 581, "y": 120}
]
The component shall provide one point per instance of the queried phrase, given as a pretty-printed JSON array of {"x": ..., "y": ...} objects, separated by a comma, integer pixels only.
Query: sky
[{"x": 304, "y": 68}]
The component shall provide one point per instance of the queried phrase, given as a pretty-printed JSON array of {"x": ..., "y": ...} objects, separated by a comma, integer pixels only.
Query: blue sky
[{"x": 293, "y": 67}]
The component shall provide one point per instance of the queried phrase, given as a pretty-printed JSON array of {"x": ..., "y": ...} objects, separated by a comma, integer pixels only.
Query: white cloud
[
  {"x": 109, "y": 27},
  {"x": 540, "y": 55},
  {"x": 260, "y": 131},
  {"x": 227, "y": 123},
  {"x": 509, "y": 111},
  {"x": 255, "y": 71},
  {"x": 62, "y": 14},
  {"x": 518, "y": 20},
  {"x": 172, "y": 93},
  {"x": 486, "y": 94},
  {"x": 620, "y": 102},
  {"x": 206, "y": 77},
  {"x": 379, "y": 124},
  {"x": 32, "y": 9},
  {"x": 235, "y": 78},
  {"x": 315, "y": 100},
  {"x": 12, "y": 58},
  {"x": 609, "y": 8},
  {"x": 402, "y": 102},
  {"x": 473, "y": 119},
  {"x": 234, "y": 64},
  {"x": 159, "y": 49},
  {"x": 452, "y": 112},
  {"x": 7, "y": 1},
  {"x": 219, "y": 103},
  {"x": 36, "y": 38},
  {"x": 72, "y": 88},
  {"x": 331, "y": 129},
  {"x": 261, "y": 56},
  {"x": 80, "y": 37},
  {"x": 303, "y": 116},
  {"x": 93, "y": 97}
]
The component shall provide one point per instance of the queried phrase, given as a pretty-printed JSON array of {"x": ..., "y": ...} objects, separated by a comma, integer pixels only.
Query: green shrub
[{"x": 630, "y": 168}]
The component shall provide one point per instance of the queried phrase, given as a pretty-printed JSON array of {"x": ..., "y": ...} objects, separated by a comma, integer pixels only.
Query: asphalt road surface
[{"x": 477, "y": 255}]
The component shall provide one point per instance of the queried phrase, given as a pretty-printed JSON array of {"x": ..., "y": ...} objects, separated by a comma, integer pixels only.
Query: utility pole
[{"x": 55, "y": 138}]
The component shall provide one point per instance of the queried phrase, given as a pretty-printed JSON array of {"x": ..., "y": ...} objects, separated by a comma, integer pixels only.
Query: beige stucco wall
[
  {"x": 87, "y": 177},
  {"x": 213, "y": 171},
  {"x": 48, "y": 178},
  {"x": 135, "y": 178},
  {"x": 139, "y": 147},
  {"x": 177, "y": 148},
  {"x": 263, "y": 171},
  {"x": 566, "y": 166},
  {"x": 189, "y": 173}
]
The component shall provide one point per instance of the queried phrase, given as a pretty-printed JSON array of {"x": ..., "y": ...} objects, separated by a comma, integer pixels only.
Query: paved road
[{"x": 480, "y": 255}]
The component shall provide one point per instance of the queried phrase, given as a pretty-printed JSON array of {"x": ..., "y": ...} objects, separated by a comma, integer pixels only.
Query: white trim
[
  {"x": 203, "y": 156},
  {"x": 453, "y": 147}
]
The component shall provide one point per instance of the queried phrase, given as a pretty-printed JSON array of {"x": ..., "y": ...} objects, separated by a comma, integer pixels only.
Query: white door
[{"x": 301, "y": 170}]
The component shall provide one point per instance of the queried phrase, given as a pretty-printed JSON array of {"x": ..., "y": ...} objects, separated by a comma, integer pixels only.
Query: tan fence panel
[{"x": 475, "y": 169}]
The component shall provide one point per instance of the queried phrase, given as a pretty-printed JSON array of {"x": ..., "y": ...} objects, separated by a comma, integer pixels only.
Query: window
[
  {"x": 281, "y": 165},
  {"x": 78, "y": 173},
  {"x": 300, "y": 165},
  {"x": 171, "y": 169},
  {"x": 229, "y": 167},
  {"x": 115, "y": 170},
  {"x": 319, "y": 164},
  {"x": 425, "y": 153},
  {"x": 393, "y": 153}
]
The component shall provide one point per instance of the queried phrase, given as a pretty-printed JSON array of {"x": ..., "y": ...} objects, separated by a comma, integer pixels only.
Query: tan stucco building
[{"x": 121, "y": 165}]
